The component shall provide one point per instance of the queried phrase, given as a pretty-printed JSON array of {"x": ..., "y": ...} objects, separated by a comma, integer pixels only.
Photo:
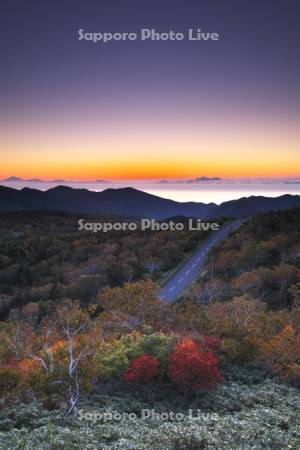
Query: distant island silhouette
[{"x": 191, "y": 181}]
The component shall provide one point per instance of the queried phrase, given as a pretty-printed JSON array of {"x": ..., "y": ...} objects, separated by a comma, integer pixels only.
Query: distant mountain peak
[{"x": 13, "y": 178}]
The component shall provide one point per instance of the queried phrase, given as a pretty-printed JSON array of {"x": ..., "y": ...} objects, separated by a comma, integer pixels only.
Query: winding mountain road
[{"x": 189, "y": 272}]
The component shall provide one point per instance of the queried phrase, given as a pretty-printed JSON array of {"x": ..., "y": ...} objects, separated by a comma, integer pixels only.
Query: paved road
[{"x": 189, "y": 272}]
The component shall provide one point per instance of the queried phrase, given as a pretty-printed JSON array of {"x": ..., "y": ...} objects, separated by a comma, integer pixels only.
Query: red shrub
[
  {"x": 211, "y": 344},
  {"x": 142, "y": 369},
  {"x": 192, "y": 368}
]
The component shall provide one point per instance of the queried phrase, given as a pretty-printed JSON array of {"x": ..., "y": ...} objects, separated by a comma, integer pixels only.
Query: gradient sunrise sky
[{"x": 128, "y": 110}]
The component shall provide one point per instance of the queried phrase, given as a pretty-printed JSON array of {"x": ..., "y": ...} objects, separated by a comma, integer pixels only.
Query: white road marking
[
  {"x": 172, "y": 288},
  {"x": 188, "y": 271},
  {"x": 198, "y": 259},
  {"x": 193, "y": 265},
  {"x": 179, "y": 281}
]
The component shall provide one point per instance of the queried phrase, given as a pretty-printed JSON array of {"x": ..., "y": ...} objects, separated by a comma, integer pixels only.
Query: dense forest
[
  {"x": 45, "y": 258},
  {"x": 261, "y": 261},
  {"x": 83, "y": 333}
]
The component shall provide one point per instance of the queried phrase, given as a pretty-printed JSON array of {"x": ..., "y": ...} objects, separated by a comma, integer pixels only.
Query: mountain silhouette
[
  {"x": 14, "y": 179},
  {"x": 132, "y": 202}
]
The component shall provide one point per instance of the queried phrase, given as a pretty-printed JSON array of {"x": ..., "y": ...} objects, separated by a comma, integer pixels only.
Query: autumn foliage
[
  {"x": 192, "y": 367},
  {"x": 142, "y": 369},
  {"x": 282, "y": 353}
]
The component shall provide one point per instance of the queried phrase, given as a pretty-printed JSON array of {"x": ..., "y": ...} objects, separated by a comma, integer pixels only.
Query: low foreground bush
[{"x": 239, "y": 416}]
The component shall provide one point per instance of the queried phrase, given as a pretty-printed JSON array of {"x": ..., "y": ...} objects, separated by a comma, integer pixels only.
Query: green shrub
[{"x": 113, "y": 358}]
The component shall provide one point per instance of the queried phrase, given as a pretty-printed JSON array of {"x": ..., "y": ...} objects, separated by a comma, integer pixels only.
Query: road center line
[{"x": 172, "y": 288}]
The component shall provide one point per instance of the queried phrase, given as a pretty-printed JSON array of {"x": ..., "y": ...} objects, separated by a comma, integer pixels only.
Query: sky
[{"x": 149, "y": 109}]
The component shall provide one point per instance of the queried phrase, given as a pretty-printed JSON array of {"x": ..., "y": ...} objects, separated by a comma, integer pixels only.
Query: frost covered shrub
[
  {"x": 261, "y": 416},
  {"x": 188, "y": 443}
]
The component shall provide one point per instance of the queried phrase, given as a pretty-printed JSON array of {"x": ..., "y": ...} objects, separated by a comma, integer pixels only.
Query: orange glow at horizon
[
  {"x": 149, "y": 150},
  {"x": 146, "y": 170}
]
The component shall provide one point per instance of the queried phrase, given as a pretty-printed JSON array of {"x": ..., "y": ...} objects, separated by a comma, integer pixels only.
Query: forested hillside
[
  {"x": 44, "y": 258},
  {"x": 83, "y": 334},
  {"x": 261, "y": 261}
]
